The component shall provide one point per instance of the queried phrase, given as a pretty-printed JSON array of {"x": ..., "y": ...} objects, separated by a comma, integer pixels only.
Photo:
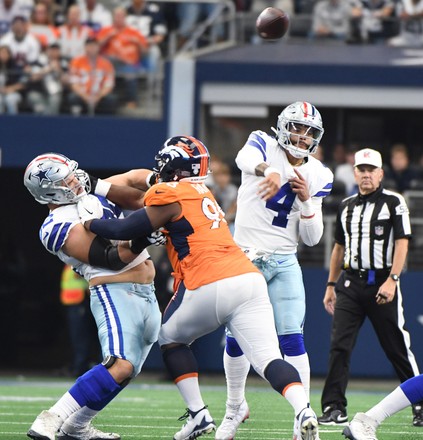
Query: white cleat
[
  {"x": 197, "y": 424},
  {"x": 361, "y": 427},
  {"x": 45, "y": 426},
  {"x": 234, "y": 416},
  {"x": 306, "y": 425},
  {"x": 70, "y": 432}
]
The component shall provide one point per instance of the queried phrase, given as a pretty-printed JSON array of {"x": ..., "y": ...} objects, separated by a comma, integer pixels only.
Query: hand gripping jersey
[
  {"x": 55, "y": 230},
  {"x": 200, "y": 246},
  {"x": 273, "y": 226}
]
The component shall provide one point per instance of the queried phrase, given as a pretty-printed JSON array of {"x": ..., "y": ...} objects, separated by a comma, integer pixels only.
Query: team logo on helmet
[{"x": 41, "y": 175}]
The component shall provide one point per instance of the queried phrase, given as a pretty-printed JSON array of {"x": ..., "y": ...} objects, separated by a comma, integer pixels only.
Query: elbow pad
[{"x": 103, "y": 254}]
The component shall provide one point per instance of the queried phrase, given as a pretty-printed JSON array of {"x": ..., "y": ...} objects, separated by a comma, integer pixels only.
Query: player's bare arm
[
  {"x": 336, "y": 259},
  {"x": 138, "y": 178},
  {"x": 88, "y": 248},
  {"x": 387, "y": 290}
]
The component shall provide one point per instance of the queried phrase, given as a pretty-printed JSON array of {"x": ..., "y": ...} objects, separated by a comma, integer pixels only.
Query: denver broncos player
[
  {"x": 291, "y": 184},
  {"x": 122, "y": 294},
  {"x": 215, "y": 283}
]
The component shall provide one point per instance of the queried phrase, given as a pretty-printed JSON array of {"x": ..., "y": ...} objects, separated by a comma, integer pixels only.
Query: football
[{"x": 272, "y": 24}]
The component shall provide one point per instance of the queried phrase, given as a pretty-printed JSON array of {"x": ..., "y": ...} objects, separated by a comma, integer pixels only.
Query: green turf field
[{"x": 150, "y": 410}]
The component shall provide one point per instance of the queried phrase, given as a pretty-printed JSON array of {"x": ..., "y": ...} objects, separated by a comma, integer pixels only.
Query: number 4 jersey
[{"x": 274, "y": 226}]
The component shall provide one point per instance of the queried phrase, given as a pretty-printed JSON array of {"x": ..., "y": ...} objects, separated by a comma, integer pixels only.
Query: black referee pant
[{"x": 356, "y": 300}]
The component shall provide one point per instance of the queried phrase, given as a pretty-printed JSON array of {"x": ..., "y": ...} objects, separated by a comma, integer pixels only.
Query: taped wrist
[
  {"x": 307, "y": 209},
  {"x": 102, "y": 188},
  {"x": 103, "y": 254}
]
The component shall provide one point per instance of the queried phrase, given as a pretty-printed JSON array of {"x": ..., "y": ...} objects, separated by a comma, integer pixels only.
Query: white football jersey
[
  {"x": 274, "y": 226},
  {"x": 55, "y": 230}
]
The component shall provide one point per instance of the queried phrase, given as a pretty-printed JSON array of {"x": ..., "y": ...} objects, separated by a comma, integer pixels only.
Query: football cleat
[
  {"x": 45, "y": 426},
  {"x": 333, "y": 416},
  {"x": 306, "y": 426},
  {"x": 197, "y": 424},
  {"x": 362, "y": 427},
  {"x": 88, "y": 432},
  {"x": 234, "y": 416}
]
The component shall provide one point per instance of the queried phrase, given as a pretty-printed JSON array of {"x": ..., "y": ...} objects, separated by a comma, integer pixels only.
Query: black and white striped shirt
[{"x": 369, "y": 225}]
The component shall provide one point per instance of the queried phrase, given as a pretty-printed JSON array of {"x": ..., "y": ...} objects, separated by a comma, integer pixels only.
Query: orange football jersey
[{"x": 200, "y": 246}]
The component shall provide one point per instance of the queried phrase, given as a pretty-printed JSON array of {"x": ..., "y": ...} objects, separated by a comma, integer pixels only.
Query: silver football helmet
[
  {"x": 292, "y": 121},
  {"x": 50, "y": 178}
]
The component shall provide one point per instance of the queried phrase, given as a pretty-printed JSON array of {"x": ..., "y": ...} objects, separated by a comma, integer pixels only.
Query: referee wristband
[
  {"x": 102, "y": 188},
  {"x": 330, "y": 284},
  {"x": 270, "y": 170}
]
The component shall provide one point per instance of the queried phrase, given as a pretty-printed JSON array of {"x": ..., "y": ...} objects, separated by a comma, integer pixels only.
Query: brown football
[{"x": 272, "y": 24}]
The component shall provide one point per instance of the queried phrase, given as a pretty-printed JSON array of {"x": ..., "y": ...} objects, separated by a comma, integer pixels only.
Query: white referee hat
[{"x": 367, "y": 156}]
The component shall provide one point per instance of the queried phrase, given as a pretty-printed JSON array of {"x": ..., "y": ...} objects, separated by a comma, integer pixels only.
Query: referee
[{"x": 371, "y": 244}]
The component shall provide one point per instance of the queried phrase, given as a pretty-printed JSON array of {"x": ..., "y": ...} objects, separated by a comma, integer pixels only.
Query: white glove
[
  {"x": 89, "y": 208},
  {"x": 157, "y": 238}
]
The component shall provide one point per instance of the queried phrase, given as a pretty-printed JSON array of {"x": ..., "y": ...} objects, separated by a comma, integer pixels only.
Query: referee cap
[{"x": 367, "y": 156}]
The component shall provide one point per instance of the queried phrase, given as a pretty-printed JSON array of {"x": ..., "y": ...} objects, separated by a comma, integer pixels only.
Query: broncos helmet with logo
[
  {"x": 299, "y": 114},
  {"x": 47, "y": 178},
  {"x": 182, "y": 158}
]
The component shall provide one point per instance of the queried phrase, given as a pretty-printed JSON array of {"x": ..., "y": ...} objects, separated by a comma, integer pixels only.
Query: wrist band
[
  {"x": 330, "y": 284},
  {"x": 307, "y": 209},
  {"x": 102, "y": 188},
  {"x": 270, "y": 170}
]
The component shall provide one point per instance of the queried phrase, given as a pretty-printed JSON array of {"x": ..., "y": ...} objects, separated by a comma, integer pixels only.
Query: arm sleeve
[
  {"x": 253, "y": 153},
  {"x": 311, "y": 229},
  {"x": 135, "y": 225}
]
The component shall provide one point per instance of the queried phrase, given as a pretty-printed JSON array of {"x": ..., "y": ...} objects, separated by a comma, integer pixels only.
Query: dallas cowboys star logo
[{"x": 41, "y": 175}]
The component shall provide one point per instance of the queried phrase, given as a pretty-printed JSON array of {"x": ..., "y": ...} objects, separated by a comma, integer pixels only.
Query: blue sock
[
  {"x": 413, "y": 389},
  {"x": 95, "y": 389},
  {"x": 292, "y": 345},
  {"x": 232, "y": 347}
]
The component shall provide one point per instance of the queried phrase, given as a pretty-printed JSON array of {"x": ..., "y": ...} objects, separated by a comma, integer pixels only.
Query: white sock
[
  {"x": 65, "y": 406},
  {"x": 236, "y": 372},
  {"x": 81, "y": 418},
  {"x": 302, "y": 364},
  {"x": 296, "y": 396},
  {"x": 391, "y": 404},
  {"x": 190, "y": 391}
]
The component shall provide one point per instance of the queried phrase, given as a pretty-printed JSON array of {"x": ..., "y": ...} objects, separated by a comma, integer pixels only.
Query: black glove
[{"x": 156, "y": 238}]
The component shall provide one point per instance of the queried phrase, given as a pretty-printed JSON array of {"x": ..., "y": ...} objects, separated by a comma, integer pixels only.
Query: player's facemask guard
[{"x": 53, "y": 178}]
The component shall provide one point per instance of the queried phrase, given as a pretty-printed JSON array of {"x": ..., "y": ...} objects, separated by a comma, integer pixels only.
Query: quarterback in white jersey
[
  {"x": 279, "y": 203},
  {"x": 122, "y": 296}
]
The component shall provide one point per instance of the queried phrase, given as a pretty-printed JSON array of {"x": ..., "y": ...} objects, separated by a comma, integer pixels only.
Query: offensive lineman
[
  {"x": 273, "y": 213},
  {"x": 121, "y": 287}
]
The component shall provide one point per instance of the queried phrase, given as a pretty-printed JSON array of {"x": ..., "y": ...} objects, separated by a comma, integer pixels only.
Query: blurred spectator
[
  {"x": 25, "y": 47},
  {"x": 95, "y": 15},
  {"x": 42, "y": 27},
  {"x": 92, "y": 79},
  {"x": 148, "y": 19},
  {"x": 55, "y": 10},
  {"x": 410, "y": 13},
  {"x": 339, "y": 155},
  {"x": 345, "y": 172},
  {"x": 223, "y": 189},
  {"x": 400, "y": 170},
  {"x": 125, "y": 48},
  {"x": 12, "y": 81},
  {"x": 368, "y": 20},
  {"x": 47, "y": 79},
  {"x": 73, "y": 34},
  {"x": 74, "y": 295},
  {"x": 10, "y": 9},
  {"x": 331, "y": 19}
]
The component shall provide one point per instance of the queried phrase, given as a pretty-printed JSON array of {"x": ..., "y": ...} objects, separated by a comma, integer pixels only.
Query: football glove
[
  {"x": 89, "y": 208},
  {"x": 156, "y": 238}
]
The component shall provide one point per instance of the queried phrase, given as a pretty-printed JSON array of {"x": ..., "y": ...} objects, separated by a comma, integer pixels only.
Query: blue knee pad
[
  {"x": 292, "y": 345},
  {"x": 232, "y": 347},
  {"x": 413, "y": 389},
  {"x": 95, "y": 389}
]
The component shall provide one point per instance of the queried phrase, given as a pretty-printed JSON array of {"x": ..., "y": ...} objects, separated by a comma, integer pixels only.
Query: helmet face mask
[
  {"x": 299, "y": 122},
  {"x": 53, "y": 178},
  {"x": 182, "y": 158}
]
